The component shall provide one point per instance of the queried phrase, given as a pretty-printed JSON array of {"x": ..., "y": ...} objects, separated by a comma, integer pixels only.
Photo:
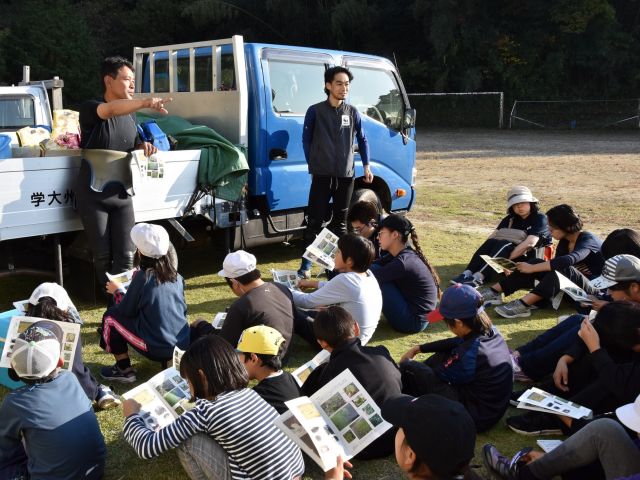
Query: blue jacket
[{"x": 479, "y": 368}]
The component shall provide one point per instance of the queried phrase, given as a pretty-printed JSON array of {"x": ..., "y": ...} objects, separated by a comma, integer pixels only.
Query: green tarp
[{"x": 223, "y": 168}]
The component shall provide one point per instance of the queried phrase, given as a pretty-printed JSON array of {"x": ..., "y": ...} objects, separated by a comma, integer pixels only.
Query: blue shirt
[{"x": 60, "y": 430}]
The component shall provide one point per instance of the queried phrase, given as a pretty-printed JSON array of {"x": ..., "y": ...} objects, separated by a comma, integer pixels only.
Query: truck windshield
[
  {"x": 17, "y": 112},
  {"x": 376, "y": 94}
]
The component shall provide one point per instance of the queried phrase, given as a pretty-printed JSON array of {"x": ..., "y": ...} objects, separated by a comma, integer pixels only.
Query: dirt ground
[{"x": 598, "y": 173}]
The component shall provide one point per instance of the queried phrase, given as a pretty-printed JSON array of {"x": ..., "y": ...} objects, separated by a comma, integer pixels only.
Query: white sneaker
[
  {"x": 514, "y": 309},
  {"x": 107, "y": 399}
]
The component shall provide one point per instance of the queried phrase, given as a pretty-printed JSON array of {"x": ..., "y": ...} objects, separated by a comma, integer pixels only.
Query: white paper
[
  {"x": 163, "y": 398},
  {"x": 177, "y": 356},
  {"x": 21, "y": 305},
  {"x": 218, "y": 320},
  {"x": 548, "y": 445},
  {"x": 123, "y": 278},
  {"x": 70, "y": 331},
  {"x": 323, "y": 249},
  {"x": 288, "y": 278},
  {"x": 301, "y": 373},
  {"x": 539, "y": 400},
  {"x": 499, "y": 264}
]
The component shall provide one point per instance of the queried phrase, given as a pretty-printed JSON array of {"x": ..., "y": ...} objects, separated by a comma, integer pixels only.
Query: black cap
[
  {"x": 440, "y": 431},
  {"x": 397, "y": 223}
]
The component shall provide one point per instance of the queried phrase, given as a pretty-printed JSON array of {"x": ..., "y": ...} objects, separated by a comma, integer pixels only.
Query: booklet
[
  {"x": 323, "y": 249},
  {"x": 339, "y": 419},
  {"x": 301, "y": 374},
  {"x": 163, "y": 398},
  {"x": 21, "y": 305},
  {"x": 499, "y": 264},
  {"x": 70, "y": 331},
  {"x": 548, "y": 445},
  {"x": 123, "y": 278},
  {"x": 177, "y": 356},
  {"x": 288, "y": 278},
  {"x": 541, "y": 401},
  {"x": 573, "y": 290},
  {"x": 218, "y": 320}
]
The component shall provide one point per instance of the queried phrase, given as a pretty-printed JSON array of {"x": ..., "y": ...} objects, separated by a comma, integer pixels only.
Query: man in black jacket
[{"x": 337, "y": 332}]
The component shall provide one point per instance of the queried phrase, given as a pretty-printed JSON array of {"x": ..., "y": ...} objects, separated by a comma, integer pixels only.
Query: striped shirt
[{"x": 241, "y": 422}]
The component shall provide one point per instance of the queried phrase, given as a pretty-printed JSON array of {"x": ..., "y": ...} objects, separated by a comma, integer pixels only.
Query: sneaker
[
  {"x": 490, "y": 297},
  {"x": 535, "y": 423},
  {"x": 514, "y": 309},
  {"x": 304, "y": 274},
  {"x": 518, "y": 374},
  {"x": 106, "y": 399},
  {"x": 464, "y": 278},
  {"x": 114, "y": 374},
  {"x": 500, "y": 466}
]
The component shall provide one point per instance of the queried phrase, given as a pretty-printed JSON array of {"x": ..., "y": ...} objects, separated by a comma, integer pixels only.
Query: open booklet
[
  {"x": 70, "y": 331},
  {"x": 123, "y": 278},
  {"x": 499, "y": 264},
  {"x": 301, "y": 373},
  {"x": 323, "y": 249},
  {"x": 548, "y": 445},
  {"x": 288, "y": 278},
  {"x": 541, "y": 401},
  {"x": 573, "y": 290},
  {"x": 164, "y": 397},
  {"x": 339, "y": 419},
  {"x": 218, "y": 320}
]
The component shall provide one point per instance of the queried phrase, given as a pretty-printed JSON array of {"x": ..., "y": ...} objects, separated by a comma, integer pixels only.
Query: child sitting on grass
[
  {"x": 152, "y": 315},
  {"x": 261, "y": 349},
  {"x": 229, "y": 433},
  {"x": 48, "y": 429},
  {"x": 473, "y": 368},
  {"x": 51, "y": 301}
]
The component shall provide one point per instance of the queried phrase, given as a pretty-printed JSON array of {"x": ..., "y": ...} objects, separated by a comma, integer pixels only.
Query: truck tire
[{"x": 367, "y": 195}]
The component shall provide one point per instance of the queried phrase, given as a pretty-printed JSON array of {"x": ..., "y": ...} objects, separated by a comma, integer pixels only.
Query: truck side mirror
[{"x": 409, "y": 120}]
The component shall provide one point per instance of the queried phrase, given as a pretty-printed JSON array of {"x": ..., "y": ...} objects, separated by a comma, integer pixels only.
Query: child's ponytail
[{"x": 418, "y": 250}]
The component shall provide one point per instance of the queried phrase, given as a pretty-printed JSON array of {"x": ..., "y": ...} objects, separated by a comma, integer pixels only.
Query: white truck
[{"x": 255, "y": 95}]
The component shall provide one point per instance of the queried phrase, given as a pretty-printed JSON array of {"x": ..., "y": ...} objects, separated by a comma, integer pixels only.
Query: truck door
[
  {"x": 378, "y": 94},
  {"x": 295, "y": 81}
]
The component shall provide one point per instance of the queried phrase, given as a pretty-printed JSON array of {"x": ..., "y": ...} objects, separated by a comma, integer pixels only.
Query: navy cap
[{"x": 458, "y": 301}]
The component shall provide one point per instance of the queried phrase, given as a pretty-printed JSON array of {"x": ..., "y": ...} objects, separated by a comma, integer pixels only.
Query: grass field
[{"x": 462, "y": 184}]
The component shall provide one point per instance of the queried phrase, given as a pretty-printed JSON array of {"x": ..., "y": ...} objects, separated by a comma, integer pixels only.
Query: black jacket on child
[{"x": 374, "y": 368}]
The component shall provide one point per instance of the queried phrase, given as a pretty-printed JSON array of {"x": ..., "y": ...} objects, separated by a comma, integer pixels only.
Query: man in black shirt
[
  {"x": 105, "y": 207},
  {"x": 260, "y": 349},
  {"x": 337, "y": 332}
]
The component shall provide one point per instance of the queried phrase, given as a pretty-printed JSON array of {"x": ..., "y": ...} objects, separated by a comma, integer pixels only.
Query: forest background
[{"x": 530, "y": 49}]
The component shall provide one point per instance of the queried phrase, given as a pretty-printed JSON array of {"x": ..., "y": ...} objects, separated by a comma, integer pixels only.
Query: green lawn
[{"x": 206, "y": 294}]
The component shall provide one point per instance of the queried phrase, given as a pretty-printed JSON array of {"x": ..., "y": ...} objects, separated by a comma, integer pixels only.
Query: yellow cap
[{"x": 260, "y": 339}]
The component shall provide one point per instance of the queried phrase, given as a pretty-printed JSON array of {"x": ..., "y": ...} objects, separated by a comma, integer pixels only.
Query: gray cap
[{"x": 621, "y": 268}]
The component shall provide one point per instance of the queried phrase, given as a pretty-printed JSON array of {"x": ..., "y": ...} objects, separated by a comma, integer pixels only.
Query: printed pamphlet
[
  {"x": 70, "y": 332},
  {"x": 163, "y": 398},
  {"x": 218, "y": 320},
  {"x": 288, "y": 278},
  {"x": 573, "y": 290},
  {"x": 151, "y": 167},
  {"x": 301, "y": 374},
  {"x": 541, "y": 401},
  {"x": 499, "y": 264},
  {"x": 323, "y": 249},
  {"x": 548, "y": 445},
  {"x": 123, "y": 278},
  {"x": 339, "y": 419},
  {"x": 177, "y": 356}
]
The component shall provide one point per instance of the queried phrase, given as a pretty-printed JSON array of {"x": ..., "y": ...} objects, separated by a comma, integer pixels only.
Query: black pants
[
  {"x": 303, "y": 326},
  {"x": 107, "y": 218},
  {"x": 492, "y": 248},
  {"x": 418, "y": 378},
  {"x": 322, "y": 190},
  {"x": 548, "y": 285},
  {"x": 88, "y": 383}
]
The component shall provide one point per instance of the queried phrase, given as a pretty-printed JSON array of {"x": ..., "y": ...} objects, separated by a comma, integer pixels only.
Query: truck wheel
[{"x": 366, "y": 195}]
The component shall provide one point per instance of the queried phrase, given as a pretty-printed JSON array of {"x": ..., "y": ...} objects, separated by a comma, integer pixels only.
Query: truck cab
[
  {"x": 257, "y": 95},
  {"x": 23, "y": 106}
]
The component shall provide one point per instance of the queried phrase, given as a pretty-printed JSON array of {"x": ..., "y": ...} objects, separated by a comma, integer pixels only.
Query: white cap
[
  {"x": 151, "y": 240},
  {"x": 519, "y": 194},
  {"x": 629, "y": 415},
  {"x": 36, "y": 351},
  {"x": 237, "y": 264},
  {"x": 54, "y": 291}
]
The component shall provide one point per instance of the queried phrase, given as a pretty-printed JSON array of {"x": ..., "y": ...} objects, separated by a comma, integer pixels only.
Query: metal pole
[
  {"x": 58, "y": 259},
  {"x": 500, "y": 113}
]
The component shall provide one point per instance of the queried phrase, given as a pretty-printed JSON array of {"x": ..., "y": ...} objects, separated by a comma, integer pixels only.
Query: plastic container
[{"x": 5, "y": 146}]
